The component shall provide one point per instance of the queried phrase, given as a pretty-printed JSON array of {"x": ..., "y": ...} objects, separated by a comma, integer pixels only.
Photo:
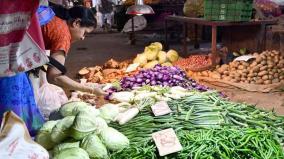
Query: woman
[{"x": 59, "y": 33}]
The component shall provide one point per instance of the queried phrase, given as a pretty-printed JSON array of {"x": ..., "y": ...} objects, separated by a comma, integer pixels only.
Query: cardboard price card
[
  {"x": 166, "y": 142},
  {"x": 161, "y": 108}
]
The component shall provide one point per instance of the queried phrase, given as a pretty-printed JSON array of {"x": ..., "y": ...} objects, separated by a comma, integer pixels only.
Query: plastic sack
[
  {"x": 139, "y": 24},
  {"x": 50, "y": 97},
  {"x": 16, "y": 142},
  {"x": 21, "y": 42}
]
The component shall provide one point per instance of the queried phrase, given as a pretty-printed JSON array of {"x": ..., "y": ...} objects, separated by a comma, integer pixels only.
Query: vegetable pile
[
  {"x": 163, "y": 76},
  {"x": 266, "y": 68},
  {"x": 195, "y": 63},
  {"x": 109, "y": 72},
  {"x": 208, "y": 127},
  {"x": 83, "y": 132},
  {"x": 154, "y": 55}
]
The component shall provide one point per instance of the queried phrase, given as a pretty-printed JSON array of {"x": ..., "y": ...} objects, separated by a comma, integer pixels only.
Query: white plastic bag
[
  {"x": 50, "y": 97},
  {"x": 140, "y": 23},
  {"x": 15, "y": 141}
]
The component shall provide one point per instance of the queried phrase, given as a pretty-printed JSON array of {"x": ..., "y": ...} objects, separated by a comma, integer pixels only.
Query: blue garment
[
  {"x": 16, "y": 94},
  {"x": 45, "y": 14}
]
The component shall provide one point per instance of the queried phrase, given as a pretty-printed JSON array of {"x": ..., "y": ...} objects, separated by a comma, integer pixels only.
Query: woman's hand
[{"x": 94, "y": 89}]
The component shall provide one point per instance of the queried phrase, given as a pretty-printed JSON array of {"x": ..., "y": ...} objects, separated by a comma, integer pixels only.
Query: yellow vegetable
[
  {"x": 167, "y": 64},
  {"x": 162, "y": 57},
  {"x": 151, "y": 64},
  {"x": 141, "y": 59},
  {"x": 172, "y": 55},
  {"x": 151, "y": 52},
  {"x": 158, "y": 45}
]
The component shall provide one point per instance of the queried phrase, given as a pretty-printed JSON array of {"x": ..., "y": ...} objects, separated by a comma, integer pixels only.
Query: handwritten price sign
[
  {"x": 166, "y": 142},
  {"x": 161, "y": 108}
]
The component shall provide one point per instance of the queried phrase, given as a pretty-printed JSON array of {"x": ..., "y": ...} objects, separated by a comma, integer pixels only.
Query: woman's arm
[{"x": 54, "y": 77}]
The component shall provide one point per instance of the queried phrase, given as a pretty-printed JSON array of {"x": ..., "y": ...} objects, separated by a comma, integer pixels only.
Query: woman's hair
[{"x": 77, "y": 12}]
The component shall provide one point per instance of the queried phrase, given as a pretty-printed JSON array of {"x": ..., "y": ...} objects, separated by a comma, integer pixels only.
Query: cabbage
[
  {"x": 109, "y": 112},
  {"x": 86, "y": 124},
  {"x": 57, "y": 149},
  {"x": 44, "y": 135},
  {"x": 172, "y": 55},
  {"x": 113, "y": 139},
  {"x": 94, "y": 146},
  {"x": 72, "y": 108},
  {"x": 141, "y": 59},
  {"x": 162, "y": 57},
  {"x": 72, "y": 153},
  {"x": 60, "y": 130}
]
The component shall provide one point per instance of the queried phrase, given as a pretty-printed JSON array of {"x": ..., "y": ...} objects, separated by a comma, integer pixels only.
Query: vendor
[{"x": 59, "y": 33}]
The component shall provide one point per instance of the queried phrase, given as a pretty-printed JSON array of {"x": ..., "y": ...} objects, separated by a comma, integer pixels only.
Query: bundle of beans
[{"x": 266, "y": 68}]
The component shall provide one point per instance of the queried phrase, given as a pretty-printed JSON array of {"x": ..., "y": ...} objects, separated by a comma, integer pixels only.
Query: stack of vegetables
[
  {"x": 111, "y": 71},
  {"x": 163, "y": 76},
  {"x": 266, "y": 68},
  {"x": 83, "y": 132},
  {"x": 196, "y": 62},
  {"x": 154, "y": 55},
  {"x": 208, "y": 127}
]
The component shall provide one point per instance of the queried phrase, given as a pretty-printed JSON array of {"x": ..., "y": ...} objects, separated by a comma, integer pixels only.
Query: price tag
[
  {"x": 161, "y": 108},
  {"x": 166, "y": 142}
]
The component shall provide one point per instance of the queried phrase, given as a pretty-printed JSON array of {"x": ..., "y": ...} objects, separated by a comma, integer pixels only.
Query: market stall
[{"x": 162, "y": 105}]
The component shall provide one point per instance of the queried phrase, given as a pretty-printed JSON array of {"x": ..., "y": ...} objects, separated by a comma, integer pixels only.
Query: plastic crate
[{"x": 228, "y": 10}]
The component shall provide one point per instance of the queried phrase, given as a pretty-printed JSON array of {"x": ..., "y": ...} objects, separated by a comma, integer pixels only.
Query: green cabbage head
[
  {"x": 86, "y": 124},
  {"x": 61, "y": 130},
  {"x": 73, "y": 108},
  {"x": 72, "y": 153},
  {"x": 113, "y": 139},
  {"x": 94, "y": 146},
  {"x": 44, "y": 135},
  {"x": 58, "y": 148}
]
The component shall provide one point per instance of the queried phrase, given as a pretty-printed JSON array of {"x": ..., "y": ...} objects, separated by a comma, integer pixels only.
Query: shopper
[
  {"x": 58, "y": 35},
  {"x": 105, "y": 13}
]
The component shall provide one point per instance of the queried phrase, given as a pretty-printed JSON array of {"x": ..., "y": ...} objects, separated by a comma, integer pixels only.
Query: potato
[
  {"x": 243, "y": 79},
  {"x": 267, "y": 82},
  {"x": 265, "y": 77},
  {"x": 255, "y": 74},
  {"x": 250, "y": 75},
  {"x": 258, "y": 59},
  {"x": 240, "y": 72},
  {"x": 255, "y": 69},
  {"x": 276, "y": 75},
  {"x": 255, "y": 54},
  {"x": 246, "y": 81},
  {"x": 252, "y": 82},
  {"x": 281, "y": 61},
  {"x": 241, "y": 67},
  {"x": 270, "y": 77},
  {"x": 263, "y": 68},
  {"x": 270, "y": 66},
  {"x": 253, "y": 64},
  {"x": 262, "y": 73},
  {"x": 226, "y": 73},
  {"x": 263, "y": 62}
]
